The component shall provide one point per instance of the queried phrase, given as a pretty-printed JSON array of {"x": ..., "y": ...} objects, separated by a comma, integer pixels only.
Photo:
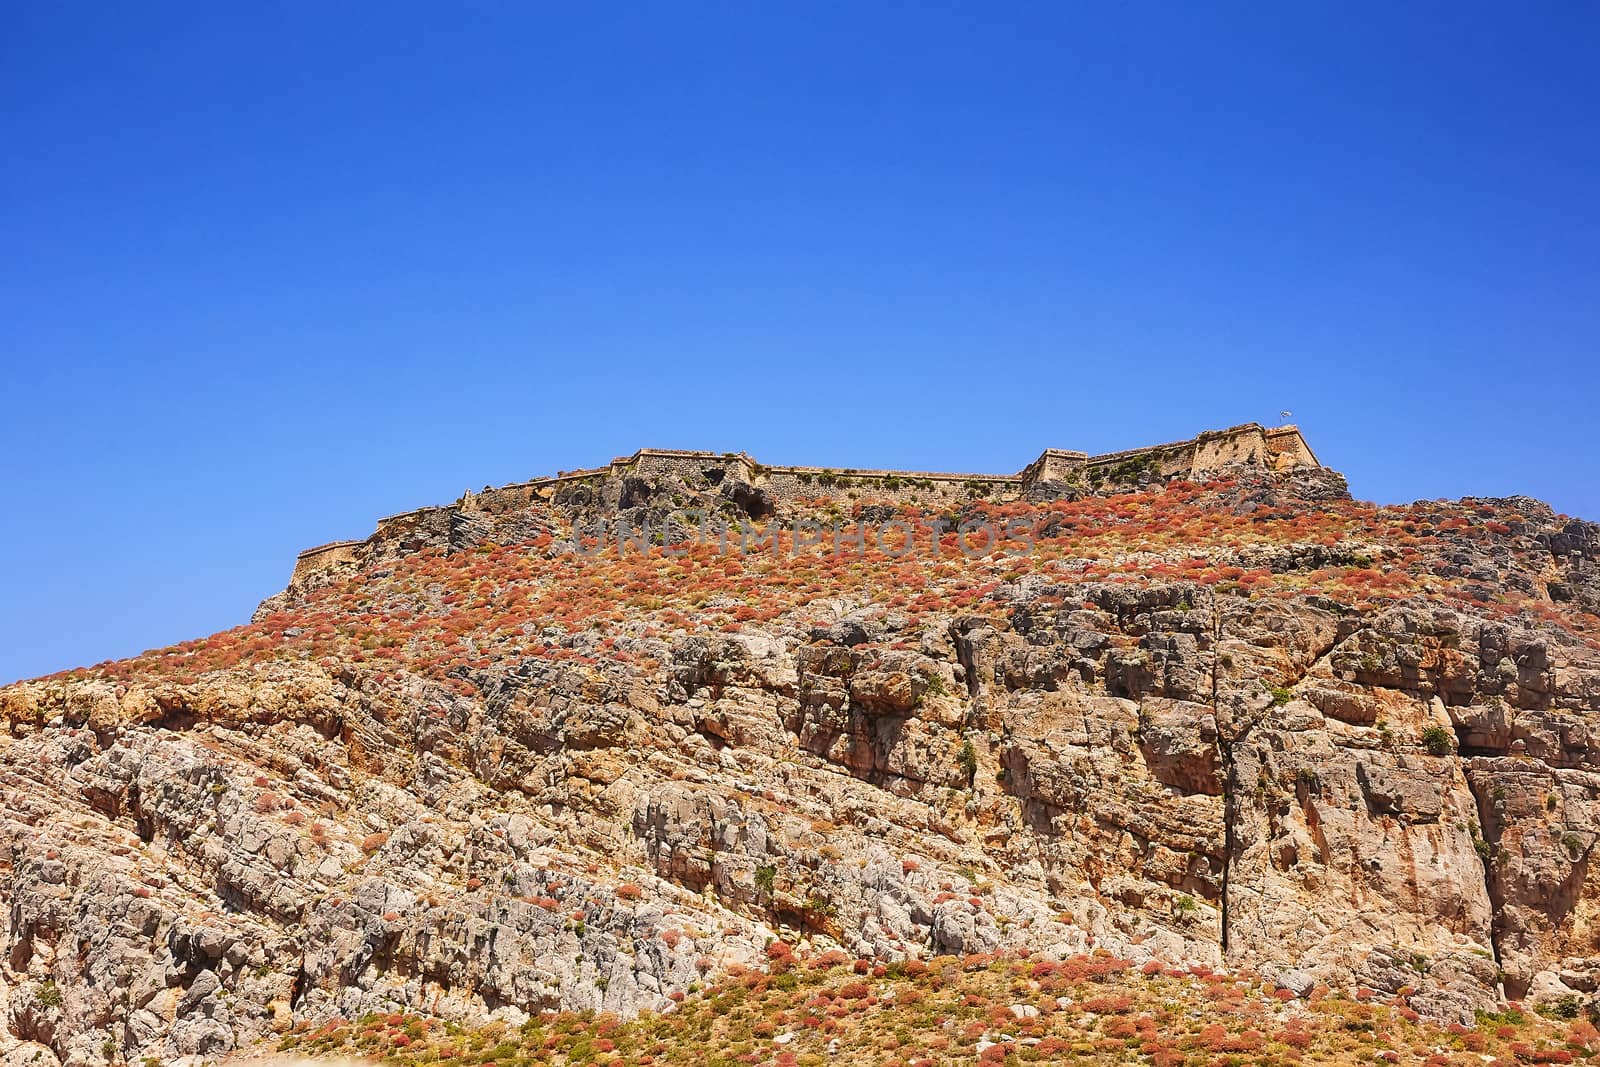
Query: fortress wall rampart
[
  {"x": 1167, "y": 460},
  {"x": 1286, "y": 447},
  {"x": 1279, "y": 448},
  {"x": 842, "y": 485},
  {"x": 411, "y": 529},
  {"x": 1055, "y": 465},
  {"x": 1240, "y": 444},
  {"x": 848, "y": 487},
  {"x": 507, "y": 498},
  {"x": 1248, "y": 443},
  {"x": 323, "y": 557},
  {"x": 713, "y": 467}
]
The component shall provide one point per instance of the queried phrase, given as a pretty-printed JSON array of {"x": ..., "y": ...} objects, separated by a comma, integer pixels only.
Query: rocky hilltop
[{"x": 486, "y": 763}]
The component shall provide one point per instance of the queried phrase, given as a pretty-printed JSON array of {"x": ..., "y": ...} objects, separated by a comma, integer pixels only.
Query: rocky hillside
[
  {"x": 977, "y": 1009},
  {"x": 475, "y": 771}
]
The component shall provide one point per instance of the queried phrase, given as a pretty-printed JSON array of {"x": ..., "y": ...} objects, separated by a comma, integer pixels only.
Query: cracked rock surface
[{"x": 1250, "y": 724}]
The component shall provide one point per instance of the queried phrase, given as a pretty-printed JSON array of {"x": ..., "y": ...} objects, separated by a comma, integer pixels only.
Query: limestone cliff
[{"x": 469, "y": 767}]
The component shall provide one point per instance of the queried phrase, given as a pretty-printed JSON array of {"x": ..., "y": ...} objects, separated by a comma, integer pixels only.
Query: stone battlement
[{"x": 1276, "y": 448}]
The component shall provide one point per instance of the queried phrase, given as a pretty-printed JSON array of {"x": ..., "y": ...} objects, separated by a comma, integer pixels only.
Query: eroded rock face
[
  {"x": 1397, "y": 796},
  {"x": 183, "y": 891}
]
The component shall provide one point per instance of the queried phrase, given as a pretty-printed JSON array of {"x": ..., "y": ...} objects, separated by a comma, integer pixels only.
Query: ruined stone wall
[
  {"x": 1167, "y": 461},
  {"x": 1226, "y": 448},
  {"x": 1055, "y": 465},
  {"x": 1286, "y": 447},
  {"x": 848, "y": 486},
  {"x": 711, "y": 466},
  {"x": 509, "y": 498},
  {"x": 323, "y": 557},
  {"x": 844, "y": 485},
  {"x": 409, "y": 530},
  {"x": 1280, "y": 448}
]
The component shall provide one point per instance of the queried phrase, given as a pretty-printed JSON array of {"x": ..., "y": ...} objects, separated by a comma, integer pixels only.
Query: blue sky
[{"x": 273, "y": 271}]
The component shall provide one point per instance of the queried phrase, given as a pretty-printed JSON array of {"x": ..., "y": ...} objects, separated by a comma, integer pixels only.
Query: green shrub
[
  {"x": 969, "y": 759},
  {"x": 1437, "y": 740},
  {"x": 1560, "y": 1008}
]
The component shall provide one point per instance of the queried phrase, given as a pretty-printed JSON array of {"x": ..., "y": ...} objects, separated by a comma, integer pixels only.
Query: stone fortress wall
[
  {"x": 1276, "y": 448},
  {"x": 323, "y": 557}
]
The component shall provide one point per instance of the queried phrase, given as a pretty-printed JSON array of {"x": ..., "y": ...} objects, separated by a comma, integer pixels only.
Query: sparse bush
[
  {"x": 968, "y": 758},
  {"x": 1437, "y": 740}
]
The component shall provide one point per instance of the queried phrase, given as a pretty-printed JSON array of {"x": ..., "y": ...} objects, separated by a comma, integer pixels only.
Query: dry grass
[{"x": 977, "y": 1010}]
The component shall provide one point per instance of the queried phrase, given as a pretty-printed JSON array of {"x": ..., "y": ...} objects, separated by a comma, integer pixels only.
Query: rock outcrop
[{"x": 474, "y": 772}]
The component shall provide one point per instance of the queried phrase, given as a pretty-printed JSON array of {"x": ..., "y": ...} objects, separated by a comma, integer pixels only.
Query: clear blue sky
[{"x": 270, "y": 274}]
